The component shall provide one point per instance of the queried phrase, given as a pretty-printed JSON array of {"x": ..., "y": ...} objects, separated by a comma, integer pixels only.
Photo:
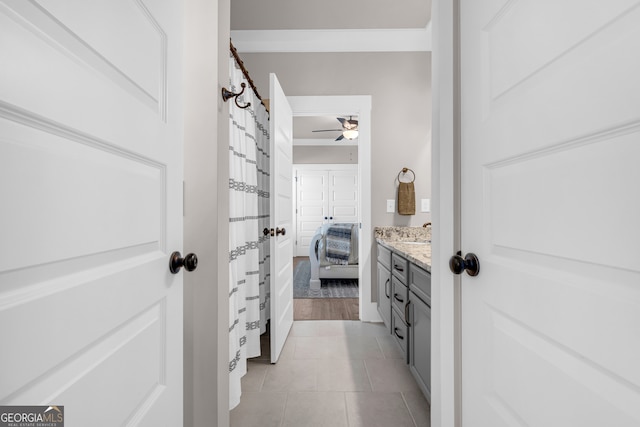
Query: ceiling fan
[{"x": 349, "y": 128}]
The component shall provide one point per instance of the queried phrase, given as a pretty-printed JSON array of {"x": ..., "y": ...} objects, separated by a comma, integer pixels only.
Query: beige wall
[
  {"x": 400, "y": 86},
  {"x": 327, "y": 155}
]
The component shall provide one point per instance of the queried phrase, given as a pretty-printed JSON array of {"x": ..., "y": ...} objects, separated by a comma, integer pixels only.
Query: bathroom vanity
[{"x": 404, "y": 295}]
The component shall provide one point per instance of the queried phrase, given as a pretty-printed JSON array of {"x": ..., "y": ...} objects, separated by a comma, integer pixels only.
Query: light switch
[
  {"x": 425, "y": 205},
  {"x": 391, "y": 206}
]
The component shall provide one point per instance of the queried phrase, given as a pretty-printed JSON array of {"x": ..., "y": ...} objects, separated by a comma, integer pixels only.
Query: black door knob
[
  {"x": 176, "y": 262},
  {"x": 326, "y": 217},
  {"x": 266, "y": 231},
  {"x": 470, "y": 263},
  {"x": 280, "y": 231}
]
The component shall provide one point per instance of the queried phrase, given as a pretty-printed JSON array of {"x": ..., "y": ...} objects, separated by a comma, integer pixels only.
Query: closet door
[
  {"x": 91, "y": 146},
  {"x": 550, "y": 325},
  {"x": 312, "y": 197},
  {"x": 324, "y": 195},
  {"x": 343, "y": 196}
]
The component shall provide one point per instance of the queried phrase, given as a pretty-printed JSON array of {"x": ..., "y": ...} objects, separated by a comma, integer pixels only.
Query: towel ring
[{"x": 404, "y": 171}]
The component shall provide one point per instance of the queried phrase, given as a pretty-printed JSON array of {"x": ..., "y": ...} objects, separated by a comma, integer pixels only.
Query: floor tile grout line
[
  {"x": 284, "y": 409},
  {"x": 384, "y": 356},
  {"x": 346, "y": 408},
  {"x": 264, "y": 378},
  {"x": 366, "y": 369},
  {"x": 406, "y": 404}
]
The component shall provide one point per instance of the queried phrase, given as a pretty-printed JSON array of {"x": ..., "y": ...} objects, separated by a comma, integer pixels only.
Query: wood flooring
[{"x": 324, "y": 308}]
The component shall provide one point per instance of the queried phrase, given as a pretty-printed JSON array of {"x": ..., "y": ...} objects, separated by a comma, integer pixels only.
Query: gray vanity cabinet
[
  {"x": 419, "y": 316},
  {"x": 384, "y": 285},
  {"x": 404, "y": 303},
  {"x": 420, "y": 343}
]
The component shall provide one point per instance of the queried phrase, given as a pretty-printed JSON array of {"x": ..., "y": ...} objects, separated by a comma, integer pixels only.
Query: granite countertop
[{"x": 402, "y": 240}]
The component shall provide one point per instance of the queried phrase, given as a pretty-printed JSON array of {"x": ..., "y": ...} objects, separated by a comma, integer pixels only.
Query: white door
[
  {"x": 90, "y": 183},
  {"x": 325, "y": 194},
  {"x": 550, "y": 204},
  {"x": 343, "y": 196},
  {"x": 281, "y": 128},
  {"x": 312, "y": 197}
]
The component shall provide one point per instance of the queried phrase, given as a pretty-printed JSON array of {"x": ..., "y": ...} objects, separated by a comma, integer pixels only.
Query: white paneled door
[
  {"x": 312, "y": 189},
  {"x": 90, "y": 183},
  {"x": 281, "y": 199},
  {"x": 550, "y": 130},
  {"x": 343, "y": 195}
]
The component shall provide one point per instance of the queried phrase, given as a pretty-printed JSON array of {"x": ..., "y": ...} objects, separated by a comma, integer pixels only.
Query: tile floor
[{"x": 332, "y": 373}]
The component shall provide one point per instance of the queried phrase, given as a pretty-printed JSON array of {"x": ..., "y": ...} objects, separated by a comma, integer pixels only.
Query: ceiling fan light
[{"x": 350, "y": 134}]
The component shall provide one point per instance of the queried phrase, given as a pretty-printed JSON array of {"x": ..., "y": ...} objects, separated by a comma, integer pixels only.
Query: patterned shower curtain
[{"x": 248, "y": 216}]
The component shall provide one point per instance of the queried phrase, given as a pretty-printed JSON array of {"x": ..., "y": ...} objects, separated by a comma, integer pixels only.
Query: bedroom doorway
[
  {"x": 326, "y": 210},
  {"x": 334, "y": 107}
]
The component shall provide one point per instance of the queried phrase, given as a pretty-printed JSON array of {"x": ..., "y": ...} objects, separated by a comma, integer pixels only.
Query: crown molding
[{"x": 367, "y": 40}]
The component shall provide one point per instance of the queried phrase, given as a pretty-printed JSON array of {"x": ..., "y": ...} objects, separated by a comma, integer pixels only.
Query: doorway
[
  {"x": 326, "y": 213},
  {"x": 360, "y": 106}
]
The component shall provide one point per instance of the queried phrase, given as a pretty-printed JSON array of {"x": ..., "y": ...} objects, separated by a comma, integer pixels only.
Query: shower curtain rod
[{"x": 234, "y": 52}]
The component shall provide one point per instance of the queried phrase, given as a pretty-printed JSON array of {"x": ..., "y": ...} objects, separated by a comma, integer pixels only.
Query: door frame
[
  {"x": 446, "y": 385},
  {"x": 359, "y": 105},
  {"x": 206, "y": 212}
]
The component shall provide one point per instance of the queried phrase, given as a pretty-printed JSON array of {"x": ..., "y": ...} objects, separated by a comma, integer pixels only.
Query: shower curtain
[{"x": 248, "y": 216}]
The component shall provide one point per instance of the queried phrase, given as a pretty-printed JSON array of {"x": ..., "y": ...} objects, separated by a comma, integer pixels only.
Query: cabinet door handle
[
  {"x": 395, "y": 266},
  {"x": 385, "y": 289},
  {"x": 397, "y": 299},
  {"x": 406, "y": 313},
  {"x": 395, "y": 331}
]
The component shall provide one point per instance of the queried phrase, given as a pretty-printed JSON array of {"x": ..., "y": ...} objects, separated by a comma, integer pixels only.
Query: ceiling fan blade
[
  {"x": 350, "y": 124},
  {"x": 327, "y": 130},
  {"x": 340, "y": 137}
]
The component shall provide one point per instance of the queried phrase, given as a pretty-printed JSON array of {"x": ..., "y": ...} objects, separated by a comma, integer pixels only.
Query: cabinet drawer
[
  {"x": 420, "y": 283},
  {"x": 400, "y": 267},
  {"x": 399, "y": 294},
  {"x": 384, "y": 256},
  {"x": 401, "y": 333}
]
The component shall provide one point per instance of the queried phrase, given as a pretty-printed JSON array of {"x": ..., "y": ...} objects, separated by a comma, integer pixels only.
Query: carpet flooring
[{"x": 330, "y": 288}]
